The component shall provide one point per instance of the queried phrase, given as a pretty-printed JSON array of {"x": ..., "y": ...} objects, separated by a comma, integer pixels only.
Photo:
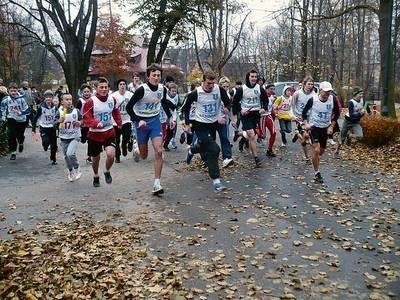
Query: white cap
[{"x": 325, "y": 86}]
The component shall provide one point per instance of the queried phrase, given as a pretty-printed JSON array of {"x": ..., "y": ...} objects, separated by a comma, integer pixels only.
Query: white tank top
[
  {"x": 102, "y": 111},
  {"x": 302, "y": 99},
  {"x": 208, "y": 105},
  {"x": 251, "y": 98},
  {"x": 47, "y": 116},
  {"x": 150, "y": 104},
  {"x": 122, "y": 100},
  {"x": 67, "y": 129},
  {"x": 321, "y": 112},
  {"x": 357, "y": 106}
]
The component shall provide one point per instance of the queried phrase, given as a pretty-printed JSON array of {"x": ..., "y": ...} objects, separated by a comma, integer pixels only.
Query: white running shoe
[
  {"x": 71, "y": 175},
  {"x": 78, "y": 173},
  {"x": 331, "y": 142},
  {"x": 157, "y": 189},
  {"x": 227, "y": 162}
]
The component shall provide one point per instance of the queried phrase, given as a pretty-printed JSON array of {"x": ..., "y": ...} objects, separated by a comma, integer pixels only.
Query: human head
[
  {"x": 270, "y": 89},
  {"x": 287, "y": 91},
  {"x": 48, "y": 97},
  {"x": 358, "y": 93},
  {"x": 251, "y": 78},
  {"x": 208, "y": 81},
  {"x": 172, "y": 89},
  {"x": 308, "y": 84},
  {"x": 224, "y": 82},
  {"x": 25, "y": 85},
  {"x": 154, "y": 73},
  {"x": 86, "y": 91},
  {"x": 261, "y": 80},
  {"x": 325, "y": 89},
  {"x": 3, "y": 90},
  {"x": 238, "y": 83},
  {"x": 102, "y": 87},
  {"x": 13, "y": 89},
  {"x": 121, "y": 83},
  {"x": 66, "y": 100}
]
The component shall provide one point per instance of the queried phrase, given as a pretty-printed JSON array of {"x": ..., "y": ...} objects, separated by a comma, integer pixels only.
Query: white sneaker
[
  {"x": 157, "y": 189},
  {"x": 331, "y": 142},
  {"x": 283, "y": 145},
  {"x": 78, "y": 173},
  {"x": 71, "y": 175},
  {"x": 227, "y": 162}
]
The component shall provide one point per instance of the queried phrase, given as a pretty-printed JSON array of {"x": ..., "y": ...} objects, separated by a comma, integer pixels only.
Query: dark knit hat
[{"x": 357, "y": 90}]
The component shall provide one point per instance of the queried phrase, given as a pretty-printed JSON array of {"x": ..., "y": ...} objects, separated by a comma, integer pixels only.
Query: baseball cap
[{"x": 325, "y": 86}]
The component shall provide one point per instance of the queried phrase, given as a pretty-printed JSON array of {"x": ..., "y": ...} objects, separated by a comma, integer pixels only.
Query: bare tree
[
  {"x": 71, "y": 42},
  {"x": 222, "y": 37}
]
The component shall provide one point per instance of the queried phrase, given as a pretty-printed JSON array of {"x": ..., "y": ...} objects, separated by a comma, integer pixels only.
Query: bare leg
[
  {"x": 110, "y": 153},
  {"x": 158, "y": 159}
]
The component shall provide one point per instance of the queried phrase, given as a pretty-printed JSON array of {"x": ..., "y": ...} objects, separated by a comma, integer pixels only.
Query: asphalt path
[{"x": 282, "y": 233}]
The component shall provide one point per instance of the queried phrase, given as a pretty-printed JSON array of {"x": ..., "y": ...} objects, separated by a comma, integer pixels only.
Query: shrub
[{"x": 380, "y": 130}]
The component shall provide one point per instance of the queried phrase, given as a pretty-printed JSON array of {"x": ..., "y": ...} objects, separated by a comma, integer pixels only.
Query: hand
[
  {"x": 221, "y": 120},
  {"x": 262, "y": 111},
  {"x": 307, "y": 126},
  {"x": 76, "y": 123},
  {"x": 99, "y": 125},
  {"x": 244, "y": 112},
  {"x": 187, "y": 128},
  {"x": 172, "y": 124},
  {"x": 330, "y": 130},
  {"x": 225, "y": 111},
  {"x": 142, "y": 123}
]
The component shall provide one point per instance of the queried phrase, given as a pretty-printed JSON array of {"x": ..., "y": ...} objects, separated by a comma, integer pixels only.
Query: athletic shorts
[
  {"x": 250, "y": 120},
  {"x": 95, "y": 148},
  {"x": 150, "y": 131},
  {"x": 319, "y": 135}
]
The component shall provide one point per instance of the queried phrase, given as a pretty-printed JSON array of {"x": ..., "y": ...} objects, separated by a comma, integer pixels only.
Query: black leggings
[{"x": 15, "y": 134}]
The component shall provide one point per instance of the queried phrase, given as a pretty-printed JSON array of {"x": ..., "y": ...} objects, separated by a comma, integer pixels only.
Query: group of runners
[{"x": 126, "y": 120}]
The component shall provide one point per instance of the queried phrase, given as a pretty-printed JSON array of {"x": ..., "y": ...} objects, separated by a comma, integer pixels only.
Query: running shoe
[
  {"x": 89, "y": 160},
  {"x": 258, "y": 162},
  {"x": 336, "y": 154},
  {"x": 218, "y": 187},
  {"x": 20, "y": 148},
  {"x": 318, "y": 178},
  {"x": 172, "y": 144},
  {"x": 124, "y": 150},
  {"x": 78, "y": 173},
  {"x": 157, "y": 189},
  {"x": 71, "y": 176},
  {"x": 331, "y": 142},
  {"x": 54, "y": 163},
  {"x": 189, "y": 156},
  {"x": 270, "y": 153},
  {"x": 241, "y": 144},
  {"x": 165, "y": 146},
  {"x": 13, "y": 156},
  {"x": 117, "y": 160},
  {"x": 227, "y": 162},
  {"x": 96, "y": 181},
  {"x": 108, "y": 177}
]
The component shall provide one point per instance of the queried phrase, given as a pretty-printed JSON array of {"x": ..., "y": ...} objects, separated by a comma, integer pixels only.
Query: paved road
[{"x": 281, "y": 233}]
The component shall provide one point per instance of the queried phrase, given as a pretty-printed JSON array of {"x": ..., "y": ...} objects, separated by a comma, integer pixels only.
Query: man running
[
  {"x": 144, "y": 108},
  {"x": 300, "y": 98},
  {"x": 98, "y": 114},
  {"x": 324, "y": 112},
  {"x": 252, "y": 101},
  {"x": 207, "y": 100}
]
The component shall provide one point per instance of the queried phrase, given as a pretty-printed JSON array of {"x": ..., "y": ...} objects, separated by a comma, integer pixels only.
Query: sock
[
  {"x": 216, "y": 181},
  {"x": 156, "y": 181}
]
